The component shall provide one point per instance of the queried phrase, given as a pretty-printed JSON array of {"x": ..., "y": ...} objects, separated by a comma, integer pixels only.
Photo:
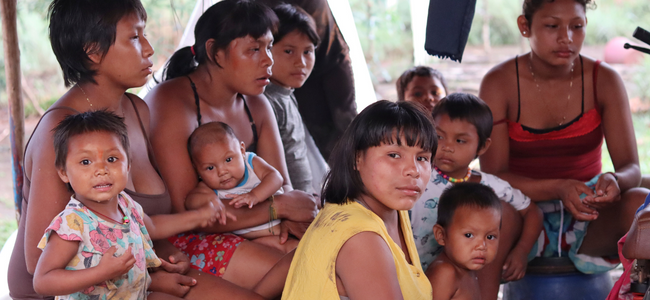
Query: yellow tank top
[{"x": 312, "y": 274}]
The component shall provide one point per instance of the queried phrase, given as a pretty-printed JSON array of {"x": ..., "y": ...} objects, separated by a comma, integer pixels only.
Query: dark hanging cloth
[{"x": 448, "y": 26}]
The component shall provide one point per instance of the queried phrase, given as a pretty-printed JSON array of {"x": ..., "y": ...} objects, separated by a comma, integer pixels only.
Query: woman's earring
[{"x": 523, "y": 32}]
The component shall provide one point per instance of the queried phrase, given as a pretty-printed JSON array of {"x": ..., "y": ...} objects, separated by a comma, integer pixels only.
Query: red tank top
[{"x": 571, "y": 151}]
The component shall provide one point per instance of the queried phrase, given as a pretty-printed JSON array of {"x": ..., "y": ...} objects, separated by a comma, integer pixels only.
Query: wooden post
[{"x": 14, "y": 93}]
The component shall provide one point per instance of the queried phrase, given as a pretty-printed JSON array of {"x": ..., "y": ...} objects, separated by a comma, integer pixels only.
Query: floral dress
[{"x": 95, "y": 236}]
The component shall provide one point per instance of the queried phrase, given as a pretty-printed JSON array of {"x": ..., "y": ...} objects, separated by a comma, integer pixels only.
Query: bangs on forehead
[
  {"x": 252, "y": 19},
  {"x": 397, "y": 125}
]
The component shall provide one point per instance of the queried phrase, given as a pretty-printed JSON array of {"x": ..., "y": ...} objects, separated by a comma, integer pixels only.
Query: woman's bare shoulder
[
  {"x": 171, "y": 94},
  {"x": 259, "y": 107},
  {"x": 503, "y": 71},
  {"x": 499, "y": 85}
]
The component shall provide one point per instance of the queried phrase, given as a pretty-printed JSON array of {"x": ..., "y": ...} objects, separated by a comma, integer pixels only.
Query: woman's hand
[
  {"x": 607, "y": 191},
  {"x": 296, "y": 206},
  {"x": 171, "y": 283},
  {"x": 569, "y": 192},
  {"x": 296, "y": 229}
]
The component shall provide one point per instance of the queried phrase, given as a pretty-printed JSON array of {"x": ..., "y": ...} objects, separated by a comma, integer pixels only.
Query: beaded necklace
[
  {"x": 454, "y": 180},
  {"x": 125, "y": 219}
]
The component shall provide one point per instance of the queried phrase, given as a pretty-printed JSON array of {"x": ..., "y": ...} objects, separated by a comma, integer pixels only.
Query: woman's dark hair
[
  {"x": 382, "y": 122},
  {"x": 90, "y": 121},
  {"x": 223, "y": 22},
  {"x": 465, "y": 194},
  {"x": 82, "y": 27},
  {"x": 530, "y": 7},
  {"x": 292, "y": 18},
  {"x": 469, "y": 108},
  {"x": 422, "y": 71}
]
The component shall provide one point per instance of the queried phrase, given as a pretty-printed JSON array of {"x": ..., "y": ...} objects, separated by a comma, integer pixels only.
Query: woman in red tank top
[{"x": 552, "y": 123}]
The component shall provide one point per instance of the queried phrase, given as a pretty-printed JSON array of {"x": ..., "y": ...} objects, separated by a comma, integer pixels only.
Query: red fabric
[
  {"x": 621, "y": 288},
  {"x": 208, "y": 253},
  {"x": 573, "y": 152}
]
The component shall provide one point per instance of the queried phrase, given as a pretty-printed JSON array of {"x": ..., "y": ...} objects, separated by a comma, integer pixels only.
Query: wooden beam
[{"x": 14, "y": 93}]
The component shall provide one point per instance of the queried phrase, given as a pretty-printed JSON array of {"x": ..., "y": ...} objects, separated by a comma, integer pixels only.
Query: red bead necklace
[{"x": 454, "y": 180}]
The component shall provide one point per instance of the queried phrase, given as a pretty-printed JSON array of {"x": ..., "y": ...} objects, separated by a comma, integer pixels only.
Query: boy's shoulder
[{"x": 445, "y": 278}]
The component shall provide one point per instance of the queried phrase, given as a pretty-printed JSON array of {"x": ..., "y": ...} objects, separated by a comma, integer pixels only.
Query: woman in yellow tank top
[{"x": 361, "y": 245}]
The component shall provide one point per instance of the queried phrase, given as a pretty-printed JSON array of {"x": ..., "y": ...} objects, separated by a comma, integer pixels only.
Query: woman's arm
[
  {"x": 48, "y": 195},
  {"x": 52, "y": 278},
  {"x": 367, "y": 274},
  {"x": 618, "y": 128},
  {"x": 495, "y": 159}
]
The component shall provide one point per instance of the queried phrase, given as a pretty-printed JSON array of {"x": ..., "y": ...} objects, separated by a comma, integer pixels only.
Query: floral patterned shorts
[{"x": 208, "y": 253}]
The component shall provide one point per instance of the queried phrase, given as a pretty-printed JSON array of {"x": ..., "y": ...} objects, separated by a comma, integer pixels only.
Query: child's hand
[
  {"x": 514, "y": 267},
  {"x": 248, "y": 199},
  {"x": 114, "y": 266},
  {"x": 214, "y": 211}
]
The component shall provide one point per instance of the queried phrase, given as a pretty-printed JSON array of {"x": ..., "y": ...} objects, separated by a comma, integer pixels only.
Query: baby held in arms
[{"x": 239, "y": 177}]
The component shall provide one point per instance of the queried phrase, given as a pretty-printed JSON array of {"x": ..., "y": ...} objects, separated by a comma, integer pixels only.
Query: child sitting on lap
[
  {"x": 242, "y": 177},
  {"x": 469, "y": 222},
  {"x": 423, "y": 85},
  {"x": 464, "y": 124},
  {"x": 99, "y": 245}
]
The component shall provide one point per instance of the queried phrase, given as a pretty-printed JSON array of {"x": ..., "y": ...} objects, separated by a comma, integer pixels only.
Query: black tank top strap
[
  {"x": 518, "y": 90},
  {"x": 196, "y": 100},
  {"x": 252, "y": 147},
  {"x": 150, "y": 153},
  {"x": 582, "y": 74}
]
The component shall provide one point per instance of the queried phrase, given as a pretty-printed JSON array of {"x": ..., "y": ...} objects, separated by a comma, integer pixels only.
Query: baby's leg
[
  {"x": 274, "y": 242},
  {"x": 489, "y": 278}
]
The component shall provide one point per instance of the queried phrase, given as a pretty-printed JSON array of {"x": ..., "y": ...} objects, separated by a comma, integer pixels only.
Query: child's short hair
[
  {"x": 292, "y": 18},
  {"x": 382, "y": 122},
  {"x": 207, "y": 134},
  {"x": 422, "y": 71},
  {"x": 86, "y": 122},
  {"x": 466, "y": 194},
  {"x": 77, "y": 26},
  {"x": 469, "y": 108}
]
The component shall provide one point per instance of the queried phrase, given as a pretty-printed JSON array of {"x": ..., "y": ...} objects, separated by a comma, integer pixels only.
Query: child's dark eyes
[
  {"x": 393, "y": 155},
  {"x": 288, "y": 51},
  {"x": 491, "y": 237},
  {"x": 112, "y": 159},
  {"x": 85, "y": 162},
  {"x": 210, "y": 168},
  {"x": 469, "y": 235},
  {"x": 423, "y": 158},
  {"x": 229, "y": 159},
  {"x": 308, "y": 51},
  {"x": 461, "y": 141}
]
